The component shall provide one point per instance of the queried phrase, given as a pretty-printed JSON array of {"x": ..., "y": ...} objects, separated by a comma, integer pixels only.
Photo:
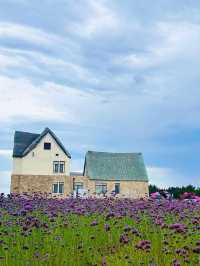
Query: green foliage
[
  {"x": 93, "y": 232},
  {"x": 176, "y": 191},
  {"x": 72, "y": 241},
  {"x": 153, "y": 188}
]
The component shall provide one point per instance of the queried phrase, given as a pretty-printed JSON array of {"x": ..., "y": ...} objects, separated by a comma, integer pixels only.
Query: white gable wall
[{"x": 42, "y": 161}]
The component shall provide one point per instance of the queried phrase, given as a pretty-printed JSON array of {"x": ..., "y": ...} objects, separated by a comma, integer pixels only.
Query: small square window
[{"x": 47, "y": 145}]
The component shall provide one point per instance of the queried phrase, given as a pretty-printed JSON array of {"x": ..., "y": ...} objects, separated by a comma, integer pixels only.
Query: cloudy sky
[{"x": 104, "y": 75}]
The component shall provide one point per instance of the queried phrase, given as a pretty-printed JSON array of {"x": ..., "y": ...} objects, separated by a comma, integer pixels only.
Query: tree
[
  {"x": 153, "y": 188},
  {"x": 176, "y": 191}
]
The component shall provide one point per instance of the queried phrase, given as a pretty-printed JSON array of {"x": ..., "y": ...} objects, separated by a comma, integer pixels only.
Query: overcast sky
[{"x": 120, "y": 76}]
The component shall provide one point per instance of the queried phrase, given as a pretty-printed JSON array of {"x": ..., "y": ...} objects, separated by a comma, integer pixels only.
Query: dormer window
[{"x": 47, "y": 145}]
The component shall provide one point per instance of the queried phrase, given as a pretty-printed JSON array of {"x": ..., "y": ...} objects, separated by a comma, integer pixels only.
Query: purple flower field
[{"x": 39, "y": 231}]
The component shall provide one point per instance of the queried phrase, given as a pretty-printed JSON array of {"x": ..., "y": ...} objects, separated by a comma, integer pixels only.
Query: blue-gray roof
[
  {"x": 24, "y": 142},
  {"x": 115, "y": 166},
  {"x": 76, "y": 173}
]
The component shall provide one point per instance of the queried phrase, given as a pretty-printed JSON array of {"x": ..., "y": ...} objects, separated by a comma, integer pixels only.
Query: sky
[{"x": 118, "y": 76}]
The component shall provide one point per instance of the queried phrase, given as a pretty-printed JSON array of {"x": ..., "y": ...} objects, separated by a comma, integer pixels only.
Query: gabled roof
[
  {"x": 115, "y": 166},
  {"x": 24, "y": 142}
]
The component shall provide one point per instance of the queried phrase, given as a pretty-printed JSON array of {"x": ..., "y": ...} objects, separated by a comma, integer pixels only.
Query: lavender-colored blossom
[
  {"x": 124, "y": 239},
  {"x": 176, "y": 263},
  {"x": 144, "y": 245},
  {"x": 94, "y": 223},
  {"x": 103, "y": 261},
  {"x": 107, "y": 227}
]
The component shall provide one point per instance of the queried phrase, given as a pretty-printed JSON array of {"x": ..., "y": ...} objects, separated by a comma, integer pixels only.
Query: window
[
  {"x": 58, "y": 188},
  {"x": 58, "y": 167},
  {"x": 78, "y": 186},
  {"x": 117, "y": 188},
  {"x": 101, "y": 188},
  {"x": 47, "y": 146}
]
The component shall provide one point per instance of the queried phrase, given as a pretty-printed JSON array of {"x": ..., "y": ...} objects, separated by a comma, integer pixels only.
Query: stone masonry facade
[{"x": 43, "y": 184}]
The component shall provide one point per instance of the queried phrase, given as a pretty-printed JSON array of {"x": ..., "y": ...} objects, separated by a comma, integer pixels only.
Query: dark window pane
[
  {"x": 56, "y": 167},
  {"x": 55, "y": 188},
  {"x": 61, "y": 187},
  {"x": 62, "y": 167},
  {"x": 47, "y": 145},
  {"x": 117, "y": 188}
]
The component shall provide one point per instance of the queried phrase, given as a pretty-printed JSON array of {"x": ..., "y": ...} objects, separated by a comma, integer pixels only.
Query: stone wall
[
  {"x": 131, "y": 189},
  {"x": 43, "y": 184},
  {"x": 39, "y": 184}
]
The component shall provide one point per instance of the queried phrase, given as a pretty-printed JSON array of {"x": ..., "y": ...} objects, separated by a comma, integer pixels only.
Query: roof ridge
[
  {"x": 117, "y": 153},
  {"x": 26, "y": 132}
]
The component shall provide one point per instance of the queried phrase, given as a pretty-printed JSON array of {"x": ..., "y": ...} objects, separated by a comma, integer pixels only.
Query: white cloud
[
  {"x": 42, "y": 64},
  {"x": 22, "y": 99},
  {"x": 8, "y": 61},
  {"x": 19, "y": 98},
  {"x": 6, "y": 153},
  {"x": 5, "y": 178},
  {"x": 171, "y": 41},
  {"x": 28, "y": 33},
  {"x": 99, "y": 19}
]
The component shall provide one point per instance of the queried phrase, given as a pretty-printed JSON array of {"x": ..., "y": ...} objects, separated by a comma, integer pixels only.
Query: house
[{"x": 42, "y": 164}]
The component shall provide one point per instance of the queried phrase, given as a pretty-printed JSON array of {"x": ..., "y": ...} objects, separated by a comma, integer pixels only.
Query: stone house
[{"x": 42, "y": 164}]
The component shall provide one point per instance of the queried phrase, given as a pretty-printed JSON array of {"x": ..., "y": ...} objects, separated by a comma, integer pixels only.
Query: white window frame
[
  {"x": 102, "y": 185},
  {"x": 59, "y": 164},
  {"x": 59, "y": 184}
]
